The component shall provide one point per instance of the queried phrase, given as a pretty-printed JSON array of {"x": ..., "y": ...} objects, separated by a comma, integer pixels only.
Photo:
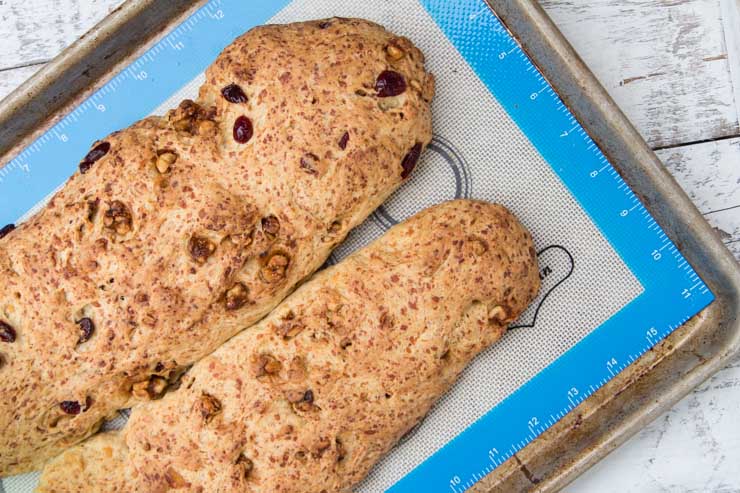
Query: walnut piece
[
  {"x": 208, "y": 407},
  {"x": 152, "y": 388},
  {"x": 165, "y": 160},
  {"x": 200, "y": 248},
  {"x": 237, "y": 296},
  {"x": 267, "y": 365},
  {"x": 118, "y": 218},
  {"x": 274, "y": 269}
]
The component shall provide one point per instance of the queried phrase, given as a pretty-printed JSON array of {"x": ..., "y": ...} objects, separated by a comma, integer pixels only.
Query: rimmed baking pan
[
  {"x": 615, "y": 411},
  {"x": 683, "y": 360}
]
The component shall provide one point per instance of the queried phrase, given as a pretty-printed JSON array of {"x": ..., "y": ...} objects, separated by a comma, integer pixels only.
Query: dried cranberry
[
  {"x": 70, "y": 407},
  {"x": 87, "y": 327},
  {"x": 409, "y": 162},
  {"x": 6, "y": 230},
  {"x": 96, "y": 153},
  {"x": 234, "y": 94},
  {"x": 243, "y": 130},
  {"x": 7, "y": 333},
  {"x": 343, "y": 141},
  {"x": 389, "y": 84}
]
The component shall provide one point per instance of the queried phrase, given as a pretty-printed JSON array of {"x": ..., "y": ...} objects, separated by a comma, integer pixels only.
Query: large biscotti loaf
[
  {"x": 310, "y": 398},
  {"x": 180, "y": 231}
]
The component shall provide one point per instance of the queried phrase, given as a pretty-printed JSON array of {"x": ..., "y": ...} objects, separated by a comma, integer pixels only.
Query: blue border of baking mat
[
  {"x": 672, "y": 294},
  {"x": 672, "y": 291}
]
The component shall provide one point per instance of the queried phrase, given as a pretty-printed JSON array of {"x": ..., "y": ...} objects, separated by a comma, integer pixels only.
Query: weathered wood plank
[
  {"x": 709, "y": 172},
  {"x": 33, "y": 31},
  {"x": 710, "y": 175},
  {"x": 667, "y": 64},
  {"x": 727, "y": 225},
  {"x": 12, "y": 78},
  {"x": 664, "y": 62},
  {"x": 693, "y": 448},
  {"x": 731, "y": 22}
]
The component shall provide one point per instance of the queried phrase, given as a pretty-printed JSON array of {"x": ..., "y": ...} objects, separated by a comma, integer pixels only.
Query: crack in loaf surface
[
  {"x": 314, "y": 395},
  {"x": 182, "y": 230}
]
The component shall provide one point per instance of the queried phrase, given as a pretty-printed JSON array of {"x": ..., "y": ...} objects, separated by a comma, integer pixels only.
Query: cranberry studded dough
[
  {"x": 310, "y": 398},
  {"x": 180, "y": 231}
]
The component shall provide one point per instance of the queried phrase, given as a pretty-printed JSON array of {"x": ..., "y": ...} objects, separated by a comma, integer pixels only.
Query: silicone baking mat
[{"x": 613, "y": 283}]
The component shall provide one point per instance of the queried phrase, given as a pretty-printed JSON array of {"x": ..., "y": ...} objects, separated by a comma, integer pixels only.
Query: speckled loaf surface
[
  {"x": 182, "y": 230},
  {"x": 310, "y": 398}
]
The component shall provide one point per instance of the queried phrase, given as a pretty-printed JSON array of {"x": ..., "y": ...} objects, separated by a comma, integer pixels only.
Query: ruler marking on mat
[
  {"x": 129, "y": 95},
  {"x": 668, "y": 280}
]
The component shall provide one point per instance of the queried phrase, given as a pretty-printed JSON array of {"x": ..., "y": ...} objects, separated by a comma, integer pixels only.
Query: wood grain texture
[
  {"x": 33, "y": 31},
  {"x": 731, "y": 23},
  {"x": 727, "y": 225},
  {"x": 692, "y": 448},
  {"x": 13, "y": 78},
  {"x": 664, "y": 62},
  {"x": 710, "y": 175}
]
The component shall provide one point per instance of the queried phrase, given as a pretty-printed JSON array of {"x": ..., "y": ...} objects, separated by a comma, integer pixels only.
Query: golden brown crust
[
  {"x": 185, "y": 229},
  {"x": 310, "y": 398},
  {"x": 102, "y": 455}
]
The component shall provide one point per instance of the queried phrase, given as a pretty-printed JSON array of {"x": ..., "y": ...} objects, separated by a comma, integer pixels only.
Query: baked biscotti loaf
[
  {"x": 310, "y": 398},
  {"x": 180, "y": 231}
]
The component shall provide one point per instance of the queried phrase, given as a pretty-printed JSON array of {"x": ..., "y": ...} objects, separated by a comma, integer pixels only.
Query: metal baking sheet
[
  {"x": 683, "y": 360},
  {"x": 617, "y": 409}
]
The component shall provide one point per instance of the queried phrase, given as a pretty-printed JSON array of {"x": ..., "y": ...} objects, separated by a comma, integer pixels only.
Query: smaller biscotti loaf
[
  {"x": 180, "y": 231},
  {"x": 314, "y": 395}
]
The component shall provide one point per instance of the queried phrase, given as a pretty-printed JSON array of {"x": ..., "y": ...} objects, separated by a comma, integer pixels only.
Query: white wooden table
[{"x": 674, "y": 68}]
